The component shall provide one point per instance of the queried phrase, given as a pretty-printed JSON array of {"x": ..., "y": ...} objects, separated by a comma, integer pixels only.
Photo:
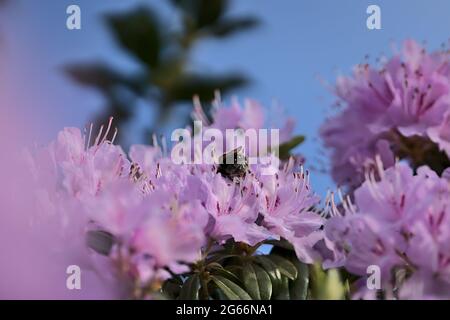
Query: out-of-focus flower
[
  {"x": 399, "y": 222},
  {"x": 397, "y": 111},
  {"x": 170, "y": 234},
  {"x": 87, "y": 165},
  {"x": 240, "y": 120}
]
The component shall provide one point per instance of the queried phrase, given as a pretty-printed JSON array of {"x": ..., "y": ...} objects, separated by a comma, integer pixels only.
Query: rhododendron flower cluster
[
  {"x": 401, "y": 110},
  {"x": 390, "y": 153},
  {"x": 154, "y": 219},
  {"x": 400, "y": 223},
  {"x": 157, "y": 223}
]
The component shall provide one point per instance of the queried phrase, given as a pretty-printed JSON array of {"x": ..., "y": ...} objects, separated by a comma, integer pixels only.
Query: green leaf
[
  {"x": 137, "y": 31},
  {"x": 251, "y": 281},
  {"x": 257, "y": 282},
  {"x": 236, "y": 269},
  {"x": 219, "y": 257},
  {"x": 334, "y": 287},
  {"x": 214, "y": 265},
  {"x": 228, "y": 26},
  {"x": 217, "y": 294},
  {"x": 104, "y": 77},
  {"x": 347, "y": 292},
  {"x": 282, "y": 243},
  {"x": 273, "y": 272},
  {"x": 326, "y": 285},
  {"x": 298, "y": 288},
  {"x": 203, "y": 12},
  {"x": 283, "y": 294},
  {"x": 190, "y": 288},
  {"x": 96, "y": 75},
  {"x": 286, "y": 267},
  {"x": 226, "y": 274},
  {"x": 210, "y": 11},
  {"x": 230, "y": 289},
  {"x": 171, "y": 288},
  {"x": 286, "y": 148}
]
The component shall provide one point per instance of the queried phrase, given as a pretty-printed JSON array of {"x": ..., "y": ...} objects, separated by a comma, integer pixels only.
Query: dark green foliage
[
  {"x": 286, "y": 148},
  {"x": 237, "y": 273},
  {"x": 166, "y": 77},
  {"x": 286, "y": 267},
  {"x": 257, "y": 281},
  {"x": 190, "y": 288},
  {"x": 230, "y": 289},
  {"x": 273, "y": 271},
  {"x": 298, "y": 288},
  {"x": 138, "y": 32},
  {"x": 171, "y": 288}
]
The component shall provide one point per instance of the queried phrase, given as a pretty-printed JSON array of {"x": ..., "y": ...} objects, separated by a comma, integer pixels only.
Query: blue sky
[{"x": 299, "y": 43}]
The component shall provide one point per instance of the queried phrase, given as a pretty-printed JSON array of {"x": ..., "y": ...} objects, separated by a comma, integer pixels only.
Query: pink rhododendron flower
[
  {"x": 88, "y": 168},
  {"x": 170, "y": 237},
  {"x": 385, "y": 110},
  {"x": 234, "y": 208},
  {"x": 287, "y": 205},
  {"x": 141, "y": 219},
  {"x": 399, "y": 222}
]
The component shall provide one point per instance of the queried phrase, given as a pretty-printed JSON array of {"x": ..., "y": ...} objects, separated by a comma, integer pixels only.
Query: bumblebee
[{"x": 233, "y": 164}]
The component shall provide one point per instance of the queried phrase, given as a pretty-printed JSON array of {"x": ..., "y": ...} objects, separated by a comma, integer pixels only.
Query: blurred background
[{"x": 141, "y": 61}]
